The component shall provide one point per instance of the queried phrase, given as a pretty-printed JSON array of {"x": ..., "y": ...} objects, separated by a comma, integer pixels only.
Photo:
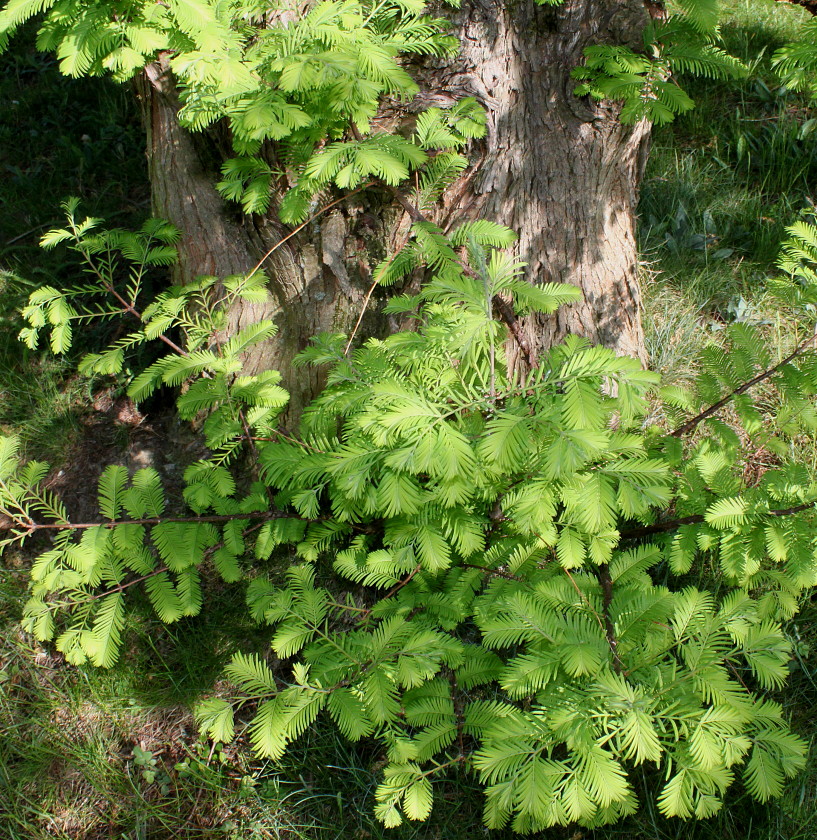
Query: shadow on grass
[{"x": 724, "y": 181}]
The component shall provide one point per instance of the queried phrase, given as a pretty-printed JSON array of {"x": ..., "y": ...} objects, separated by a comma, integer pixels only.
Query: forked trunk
[
  {"x": 560, "y": 171},
  {"x": 318, "y": 282}
]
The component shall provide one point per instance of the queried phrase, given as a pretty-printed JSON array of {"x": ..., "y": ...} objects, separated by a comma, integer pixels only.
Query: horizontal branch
[
  {"x": 672, "y": 524},
  {"x": 151, "y": 520},
  {"x": 121, "y": 587}
]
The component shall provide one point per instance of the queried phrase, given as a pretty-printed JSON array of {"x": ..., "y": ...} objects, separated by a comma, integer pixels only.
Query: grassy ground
[
  {"x": 87, "y": 754},
  {"x": 58, "y": 138},
  {"x": 721, "y": 186}
]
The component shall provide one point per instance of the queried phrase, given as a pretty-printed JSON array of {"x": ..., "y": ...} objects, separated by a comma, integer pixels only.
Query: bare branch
[
  {"x": 151, "y": 520},
  {"x": 672, "y": 524},
  {"x": 603, "y": 574}
]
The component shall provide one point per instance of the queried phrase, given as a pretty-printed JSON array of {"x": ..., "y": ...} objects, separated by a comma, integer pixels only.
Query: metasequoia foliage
[
  {"x": 314, "y": 82},
  {"x": 516, "y": 574}
]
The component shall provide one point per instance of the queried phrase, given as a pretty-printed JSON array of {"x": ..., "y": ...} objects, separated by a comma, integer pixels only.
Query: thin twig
[
  {"x": 691, "y": 424},
  {"x": 397, "y": 588},
  {"x": 400, "y": 197},
  {"x": 360, "y": 317},
  {"x": 371, "y": 292},
  {"x": 672, "y": 524},
  {"x": 497, "y": 572},
  {"x": 403, "y": 582},
  {"x": 312, "y": 218},
  {"x": 132, "y": 310},
  {"x": 508, "y": 317},
  {"x": 291, "y": 439},
  {"x": 207, "y": 554},
  {"x": 123, "y": 586},
  {"x": 155, "y": 520},
  {"x": 584, "y": 598}
]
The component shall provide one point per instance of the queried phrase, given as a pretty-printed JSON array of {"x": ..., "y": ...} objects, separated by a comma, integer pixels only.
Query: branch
[
  {"x": 672, "y": 524},
  {"x": 152, "y": 520},
  {"x": 691, "y": 424},
  {"x": 495, "y": 572},
  {"x": 126, "y": 585},
  {"x": 371, "y": 291},
  {"x": 311, "y": 219},
  {"x": 508, "y": 317},
  {"x": 132, "y": 310},
  {"x": 603, "y": 574},
  {"x": 414, "y": 213}
]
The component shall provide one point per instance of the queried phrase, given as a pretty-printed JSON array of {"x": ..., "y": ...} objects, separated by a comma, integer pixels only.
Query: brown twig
[
  {"x": 585, "y": 599},
  {"x": 403, "y": 582},
  {"x": 692, "y": 423},
  {"x": 606, "y": 582},
  {"x": 123, "y": 586},
  {"x": 371, "y": 291},
  {"x": 672, "y": 524},
  {"x": 496, "y": 572},
  {"x": 132, "y": 310},
  {"x": 396, "y": 588},
  {"x": 509, "y": 318},
  {"x": 360, "y": 317},
  {"x": 312, "y": 218},
  {"x": 414, "y": 212},
  {"x": 155, "y": 520}
]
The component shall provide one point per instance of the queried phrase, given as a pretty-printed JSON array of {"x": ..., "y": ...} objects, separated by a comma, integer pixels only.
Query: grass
[
  {"x": 721, "y": 186},
  {"x": 59, "y": 137},
  {"x": 87, "y": 754}
]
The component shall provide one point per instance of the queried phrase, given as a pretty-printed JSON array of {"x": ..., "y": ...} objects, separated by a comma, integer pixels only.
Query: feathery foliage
[
  {"x": 646, "y": 82},
  {"x": 300, "y": 90},
  {"x": 492, "y": 569}
]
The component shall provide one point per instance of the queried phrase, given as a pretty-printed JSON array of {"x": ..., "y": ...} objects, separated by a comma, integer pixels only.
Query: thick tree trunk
[{"x": 558, "y": 170}]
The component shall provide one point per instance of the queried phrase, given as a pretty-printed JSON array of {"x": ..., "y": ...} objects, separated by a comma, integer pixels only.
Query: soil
[{"x": 116, "y": 431}]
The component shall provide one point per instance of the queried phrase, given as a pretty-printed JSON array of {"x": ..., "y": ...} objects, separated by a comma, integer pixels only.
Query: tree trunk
[
  {"x": 560, "y": 171},
  {"x": 318, "y": 279}
]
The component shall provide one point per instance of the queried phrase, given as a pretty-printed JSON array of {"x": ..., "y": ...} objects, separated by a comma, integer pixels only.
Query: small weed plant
[{"x": 504, "y": 572}]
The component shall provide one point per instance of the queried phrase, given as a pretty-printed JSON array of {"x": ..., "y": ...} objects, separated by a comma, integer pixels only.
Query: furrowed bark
[{"x": 559, "y": 170}]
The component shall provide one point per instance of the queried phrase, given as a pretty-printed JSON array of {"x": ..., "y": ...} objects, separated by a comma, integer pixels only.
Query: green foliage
[
  {"x": 298, "y": 82},
  {"x": 797, "y": 62},
  {"x": 236, "y": 406},
  {"x": 497, "y": 570},
  {"x": 312, "y": 84},
  {"x": 646, "y": 83}
]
